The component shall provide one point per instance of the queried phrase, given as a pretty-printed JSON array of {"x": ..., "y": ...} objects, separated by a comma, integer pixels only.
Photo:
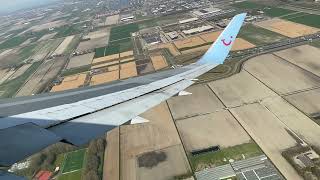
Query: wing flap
[{"x": 19, "y": 142}]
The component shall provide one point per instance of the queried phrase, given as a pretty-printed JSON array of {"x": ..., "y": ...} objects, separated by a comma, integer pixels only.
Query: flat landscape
[
  {"x": 287, "y": 28},
  {"x": 258, "y": 35},
  {"x": 215, "y": 129},
  {"x": 82, "y": 60},
  {"x": 292, "y": 78},
  {"x": 264, "y": 131},
  {"x": 142, "y": 142},
  {"x": 104, "y": 77},
  {"x": 47, "y": 72},
  {"x": 240, "y": 89},
  {"x": 202, "y": 101},
  {"x": 303, "y": 56},
  {"x": 70, "y": 82},
  {"x": 306, "y": 101}
]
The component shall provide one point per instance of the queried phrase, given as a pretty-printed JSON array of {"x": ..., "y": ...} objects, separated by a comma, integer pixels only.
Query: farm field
[
  {"x": 70, "y": 82},
  {"x": 82, "y": 60},
  {"x": 92, "y": 44},
  {"x": 115, "y": 47},
  {"x": 202, "y": 161},
  {"x": 173, "y": 50},
  {"x": 240, "y": 89},
  {"x": 126, "y": 59},
  {"x": 45, "y": 26},
  {"x": 156, "y": 137},
  {"x": 224, "y": 131},
  {"x": 175, "y": 165},
  {"x": 127, "y": 53},
  {"x": 287, "y": 28},
  {"x": 47, "y": 36},
  {"x": 64, "y": 45},
  {"x": 303, "y": 56},
  {"x": 189, "y": 42},
  {"x": 268, "y": 68},
  {"x": 145, "y": 67},
  {"x": 45, "y": 48},
  {"x": 42, "y": 77},
  {"x": 14, "y": 57},
  {"x": 128, "y": 70},
  {"x": 20, "y": 71},
  {"x": 202, "y": 101},
  {"x": 296, "y": 121},
  {"x": 102, "y": 33},
  {"x": 105, "y": 59},
  {"x": 3, "y": 74},
  {"x": 111, "y": 20},
  {"x": 306, "y": 101},
  {"x": 306, "y": 19},
  {"x": 104, "y": 78},
  {"x": 123, "y": 31},
  {"x": 111, "y": 159},
  {"x": 264, "y": 131},
  {"x": 269, "y": 10},
  {"x": 159, "y": 62},
  {"x": 104, "y": 65},
  {"x": 201, "y": 48},
  {"x": 78, "y": 70},
  {"x": 259, "y": 36},
  {"x": 10, "y": 88}
]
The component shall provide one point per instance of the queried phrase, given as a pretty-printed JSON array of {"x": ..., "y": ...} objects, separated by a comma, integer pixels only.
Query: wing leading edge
[{"x": 113, "y": 111}]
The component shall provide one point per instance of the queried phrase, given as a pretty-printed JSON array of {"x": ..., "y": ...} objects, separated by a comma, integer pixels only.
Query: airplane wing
[{"x": 29, "y": 124}]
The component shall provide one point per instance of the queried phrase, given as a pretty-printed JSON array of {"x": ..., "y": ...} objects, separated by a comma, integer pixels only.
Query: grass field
[
  {"x": 259, "y": 36},
  {"x": 123, "y": 32},
  {"x": 76, "y": 175},
  {"x": 8, "y": 89},
  {"x": 306, "y": 19},
  {"x": 73, "y": 161},
  {"x": 217, "y": 158}
]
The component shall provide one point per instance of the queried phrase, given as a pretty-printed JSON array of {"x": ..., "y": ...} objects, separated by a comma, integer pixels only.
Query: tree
[
  {"x": 92, "y": 175},
  {"x": 101, "y": 143}
]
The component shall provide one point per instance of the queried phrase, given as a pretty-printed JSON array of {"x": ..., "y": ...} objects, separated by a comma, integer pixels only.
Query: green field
[
  {"x": 123, "y": 32},
  {"x": 259, "y": 36},
  {"x": 306, "y": 19},
  {"x": 9, "y": 88},
  {"x": 217, "y": 158},
  {"x": 276, "y": 12},
  {"x": 114, "y": 47},
  {"x": 76, "y": 175},
  {"x": 270, "y": 11},
  {"x": 73, "y": 161}
]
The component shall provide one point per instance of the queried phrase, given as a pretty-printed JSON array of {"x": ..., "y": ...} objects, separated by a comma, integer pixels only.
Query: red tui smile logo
[{"x": 227, "y": 43}]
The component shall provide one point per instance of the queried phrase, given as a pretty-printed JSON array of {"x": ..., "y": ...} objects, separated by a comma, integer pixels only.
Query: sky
[{"x": 7, "y": 6}]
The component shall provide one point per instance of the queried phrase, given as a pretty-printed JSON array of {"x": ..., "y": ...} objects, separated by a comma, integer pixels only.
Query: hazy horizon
[{"x": 14, "y": 5}]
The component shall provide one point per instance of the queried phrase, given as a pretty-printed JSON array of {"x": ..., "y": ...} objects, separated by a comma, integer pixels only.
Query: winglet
[{"x": 220, "y": 49}]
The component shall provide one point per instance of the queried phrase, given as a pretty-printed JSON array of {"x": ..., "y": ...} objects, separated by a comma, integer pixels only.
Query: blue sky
[{"x": 13, "y": 5}]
